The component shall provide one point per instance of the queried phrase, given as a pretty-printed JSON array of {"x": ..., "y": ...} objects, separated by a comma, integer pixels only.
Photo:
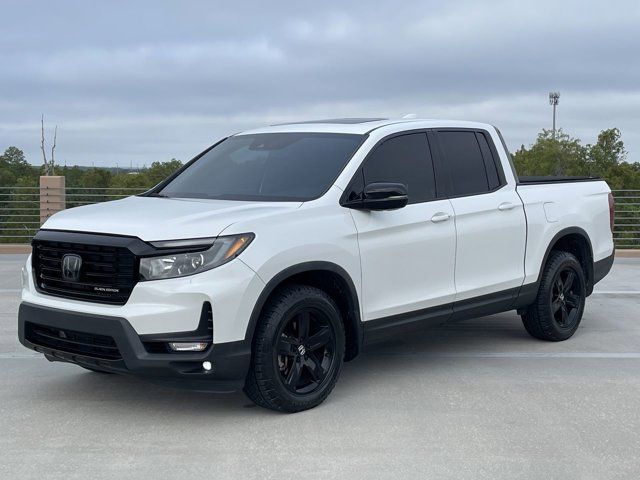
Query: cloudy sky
[{"x": 137, "y": 81}]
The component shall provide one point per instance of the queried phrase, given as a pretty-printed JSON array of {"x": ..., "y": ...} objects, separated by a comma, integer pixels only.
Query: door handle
[
  {"x": 440, "y": 217},
  {"x": 506, "y": 206}
]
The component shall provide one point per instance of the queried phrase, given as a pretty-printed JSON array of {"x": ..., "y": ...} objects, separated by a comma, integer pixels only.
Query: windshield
[{"x": 266, "y": 167}]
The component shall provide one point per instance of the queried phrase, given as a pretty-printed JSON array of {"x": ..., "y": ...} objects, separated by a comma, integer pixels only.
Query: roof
[
  {"x": 339, "y": 121},
  {"x": 359, "y": 126}
]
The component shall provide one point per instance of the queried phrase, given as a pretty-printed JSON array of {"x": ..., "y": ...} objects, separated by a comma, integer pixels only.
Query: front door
[{"x": 407, "y": 255}]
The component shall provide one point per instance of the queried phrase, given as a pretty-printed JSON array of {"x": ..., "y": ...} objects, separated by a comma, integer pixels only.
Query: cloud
[{"x": 135, "y": 82}]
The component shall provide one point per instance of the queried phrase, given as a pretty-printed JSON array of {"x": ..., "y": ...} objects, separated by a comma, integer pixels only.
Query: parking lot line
[
  {"x": 4, "y": 356},
  {"x": 623, "y": 355},
  {"x": 578, "y": 355},
  {"x": 616, "y": 292}
]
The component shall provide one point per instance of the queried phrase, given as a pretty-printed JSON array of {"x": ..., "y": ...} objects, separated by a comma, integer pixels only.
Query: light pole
[{"x": 554, "y": 99}]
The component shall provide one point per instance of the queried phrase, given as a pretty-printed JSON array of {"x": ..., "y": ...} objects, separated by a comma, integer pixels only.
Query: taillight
[{"x": 612, "y": 210}]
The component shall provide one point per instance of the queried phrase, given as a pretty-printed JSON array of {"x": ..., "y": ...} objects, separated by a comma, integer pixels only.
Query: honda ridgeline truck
[{"x": 271, "y": 258}]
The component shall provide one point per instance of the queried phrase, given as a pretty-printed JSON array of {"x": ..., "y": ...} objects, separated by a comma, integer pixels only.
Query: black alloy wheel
[
  {"x": 566, "y": 297},
  {"x": 298, "y": 350},
  {"x": 557, "y": 311},
  {"x": 305, "y": 351}
]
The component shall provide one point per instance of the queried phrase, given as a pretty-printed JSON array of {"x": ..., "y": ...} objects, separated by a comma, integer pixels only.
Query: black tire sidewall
[
  {"x": 557, "y": 263},
  {"x": 288, "y": 303}
]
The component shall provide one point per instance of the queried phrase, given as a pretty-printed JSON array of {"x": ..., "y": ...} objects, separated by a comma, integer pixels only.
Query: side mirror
[{"x": 381, "y": 196}]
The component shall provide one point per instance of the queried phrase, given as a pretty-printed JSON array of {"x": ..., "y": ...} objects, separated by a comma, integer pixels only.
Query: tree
[
  {"x": 14, "y": 165},
  {"x": 161, "y": 170},
  {"x": 96, "y": 178},
  {"x": 565, "y": 155},
  {"x": 49, "y": 165},
  {"x": 7, "y": 176},
  {"x": 607, "y": 153},
  {"x": 15, "y": 157},
  {"x": 73, "y": 176},
  {"x": 559, "y": 155}
]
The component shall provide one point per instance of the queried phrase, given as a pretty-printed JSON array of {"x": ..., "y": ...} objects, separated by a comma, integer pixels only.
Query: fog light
[
  {"x": 206, "y": 366},
  {"x": 188, "y": 346}
]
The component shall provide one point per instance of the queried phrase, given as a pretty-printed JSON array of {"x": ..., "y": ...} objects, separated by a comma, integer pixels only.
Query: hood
[{"x": 156, "y": 218}]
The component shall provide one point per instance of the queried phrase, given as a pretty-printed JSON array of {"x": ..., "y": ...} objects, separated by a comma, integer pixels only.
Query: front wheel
[
  {"x": 557, "y": 311},
  {"x": 297, "y": 352}
]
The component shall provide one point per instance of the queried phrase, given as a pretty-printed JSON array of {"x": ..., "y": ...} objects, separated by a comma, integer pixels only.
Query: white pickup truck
[{"x": 272, "y": 257}]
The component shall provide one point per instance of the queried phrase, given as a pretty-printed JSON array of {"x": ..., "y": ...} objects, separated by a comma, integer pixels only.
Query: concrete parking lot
[{"x": 476, "y": 399}]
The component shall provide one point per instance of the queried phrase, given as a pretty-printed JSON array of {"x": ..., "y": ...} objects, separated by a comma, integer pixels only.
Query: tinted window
[
  {"x": 267, "y": 167},
  {"x": 509, "y": 156},
  {"x": 405, "y": 159},
  {"x": 464, "y": 160},
  {"x": 489, "y": 161}
]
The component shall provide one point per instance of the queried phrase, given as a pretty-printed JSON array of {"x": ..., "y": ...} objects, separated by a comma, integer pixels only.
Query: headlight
[{"x": 223, "y": 250}]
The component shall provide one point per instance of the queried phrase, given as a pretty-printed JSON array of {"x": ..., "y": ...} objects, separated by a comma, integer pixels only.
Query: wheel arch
[
  {"x": 576, "y": 241},
  {"x": 329, "y": 277}
]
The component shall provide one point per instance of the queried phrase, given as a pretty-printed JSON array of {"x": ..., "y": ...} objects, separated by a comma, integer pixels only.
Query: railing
[
  {"x": 77, "y": 197},
  {"x": 23, "y": 208},
  {"x": 626, "y": 229},
  {"x": 19, "y": 213}
]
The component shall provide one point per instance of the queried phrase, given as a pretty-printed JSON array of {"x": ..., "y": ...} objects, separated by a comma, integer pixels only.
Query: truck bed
[
  {"x": 555, "y": 204},
  {"x": 548, "y": 179}
]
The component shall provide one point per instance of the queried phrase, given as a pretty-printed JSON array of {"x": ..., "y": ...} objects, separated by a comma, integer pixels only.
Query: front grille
[
  {"x": 70, "y": 341},
  {"x": 107, "y": 275}
]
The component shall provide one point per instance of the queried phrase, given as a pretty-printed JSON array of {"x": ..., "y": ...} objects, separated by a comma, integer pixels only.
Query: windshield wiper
[{"x": 157, "y": 194}]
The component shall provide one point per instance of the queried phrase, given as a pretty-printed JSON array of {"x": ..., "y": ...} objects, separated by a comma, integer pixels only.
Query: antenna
[
  {"x": 554, "y": 100},
  {"x": 410, "y": 115}
]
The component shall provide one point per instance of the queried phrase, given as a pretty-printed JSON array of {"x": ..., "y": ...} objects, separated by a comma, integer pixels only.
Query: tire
[
  {"x": 558, "y": 309},
  {"x": 298, "y": 350}
]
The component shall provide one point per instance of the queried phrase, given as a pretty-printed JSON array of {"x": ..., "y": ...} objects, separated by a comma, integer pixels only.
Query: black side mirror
[{"x": 381, "y": 196}]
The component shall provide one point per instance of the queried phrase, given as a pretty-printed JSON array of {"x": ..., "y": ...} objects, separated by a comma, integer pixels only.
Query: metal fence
[
  {"x": 76, "y": 197},
  {"x": 21, "y": 210},
  {"x": 626, "y": 229},
  {"x": 19, "y": 213}
]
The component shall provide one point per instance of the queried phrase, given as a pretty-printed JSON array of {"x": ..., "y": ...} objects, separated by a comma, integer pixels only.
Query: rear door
[
  {"x": 489, "y": 216},
  {"x": 407, "y": 255}
]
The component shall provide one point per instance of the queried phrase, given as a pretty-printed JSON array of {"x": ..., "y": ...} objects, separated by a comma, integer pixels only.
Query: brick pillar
[{"x": 52, "y": 196}]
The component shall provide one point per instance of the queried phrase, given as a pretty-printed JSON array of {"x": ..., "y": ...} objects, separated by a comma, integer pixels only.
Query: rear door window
[
  {"x": 464, "y": 161},
  {"x": 489, "y": 161}
]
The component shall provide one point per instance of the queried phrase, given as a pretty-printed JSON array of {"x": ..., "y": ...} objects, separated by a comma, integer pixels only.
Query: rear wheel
[
  {"x": 558, "y": 309},
  {"x": 298, "y": 350}
]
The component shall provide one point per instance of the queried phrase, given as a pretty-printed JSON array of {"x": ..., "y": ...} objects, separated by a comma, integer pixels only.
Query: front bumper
[
  {"x": 174, "y": 304},
  {"x": 230, "y": 360}
]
